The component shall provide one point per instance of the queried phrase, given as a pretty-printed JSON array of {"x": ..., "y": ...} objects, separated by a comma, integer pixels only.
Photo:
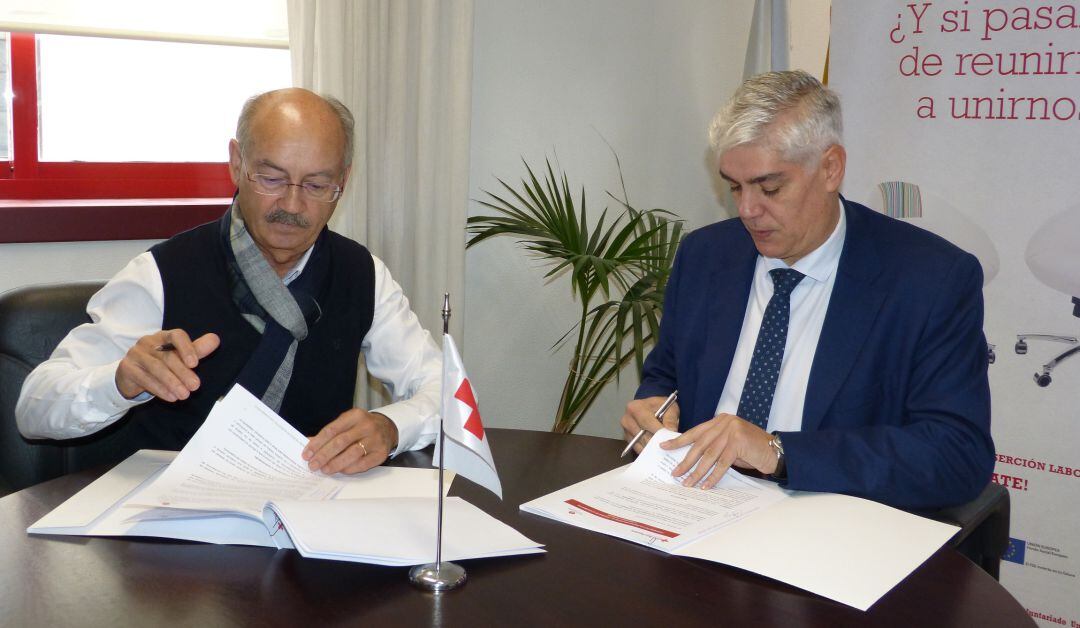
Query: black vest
[{"x": 198, "y": 300}]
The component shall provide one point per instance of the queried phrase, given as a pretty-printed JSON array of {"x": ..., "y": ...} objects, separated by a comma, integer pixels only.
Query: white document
[
  {"x": 243, "y": 455},
  {"x": 392, "y": 531},
  {"x": 844, "y": 548},
  {"x": 101, "y": 509},
  {"x": 645, "y": 504}
]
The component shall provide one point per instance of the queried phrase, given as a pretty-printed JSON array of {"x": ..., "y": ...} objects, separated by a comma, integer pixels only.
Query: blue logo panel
[{"x": 1015, "y": 552}]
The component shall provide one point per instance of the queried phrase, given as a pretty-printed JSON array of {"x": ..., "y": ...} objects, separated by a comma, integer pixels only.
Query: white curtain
[{"x": 404, "y": 68}]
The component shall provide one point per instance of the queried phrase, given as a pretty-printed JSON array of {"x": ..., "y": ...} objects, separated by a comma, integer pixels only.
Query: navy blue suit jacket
[{"x": 897, "y": 405}]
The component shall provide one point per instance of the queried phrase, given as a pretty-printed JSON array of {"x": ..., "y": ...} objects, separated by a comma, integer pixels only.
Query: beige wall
[
  {"x": 551, "y": 78},
  {"x": 809, "y": 34},
  {"x": 555, "y": 79},
  {"x": 23, "y": 264}
]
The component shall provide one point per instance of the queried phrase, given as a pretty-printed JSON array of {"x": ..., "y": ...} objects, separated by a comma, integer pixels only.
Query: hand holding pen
[
  {"x": 162, "y": 364},
  {"x": 658, "y": 415}
]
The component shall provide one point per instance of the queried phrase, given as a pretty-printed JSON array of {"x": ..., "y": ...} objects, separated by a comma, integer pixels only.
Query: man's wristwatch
[{"x": 781, "y": 469}]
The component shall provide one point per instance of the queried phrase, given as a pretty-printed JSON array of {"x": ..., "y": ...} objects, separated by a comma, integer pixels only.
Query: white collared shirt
[
  {"x": 809, "y": 303},
  {"x": 74, "y": 392},
  {"x": 298, "y": 268}
]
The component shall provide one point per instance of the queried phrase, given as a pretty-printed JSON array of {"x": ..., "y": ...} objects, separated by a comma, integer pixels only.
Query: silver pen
[{"x": 659, "y": 416}]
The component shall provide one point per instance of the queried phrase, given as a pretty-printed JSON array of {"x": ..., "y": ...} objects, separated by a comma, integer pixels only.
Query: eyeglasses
[{"x": 270, "y": 185}]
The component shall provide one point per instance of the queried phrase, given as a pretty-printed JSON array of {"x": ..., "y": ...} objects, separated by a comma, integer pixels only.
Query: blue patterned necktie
[{"x": 757, "y": 393}]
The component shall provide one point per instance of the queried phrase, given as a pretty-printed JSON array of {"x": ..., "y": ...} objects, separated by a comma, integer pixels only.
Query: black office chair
[
  {"x": 984, "y": 527},
  {"x": 33, "y": 320}
]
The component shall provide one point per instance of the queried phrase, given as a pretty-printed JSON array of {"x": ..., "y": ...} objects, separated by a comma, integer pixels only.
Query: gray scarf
[{"x": 279, "y": 307}]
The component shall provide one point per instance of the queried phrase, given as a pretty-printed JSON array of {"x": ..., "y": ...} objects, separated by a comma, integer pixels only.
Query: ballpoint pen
[{"x": 659, "y": 416}]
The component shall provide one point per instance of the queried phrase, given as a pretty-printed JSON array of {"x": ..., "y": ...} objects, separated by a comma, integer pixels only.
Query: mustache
[{"x": 294, "y": 220}]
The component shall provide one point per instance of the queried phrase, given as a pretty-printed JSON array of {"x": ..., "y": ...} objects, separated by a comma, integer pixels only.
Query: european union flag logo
[{"x": 1015, "y": 552}]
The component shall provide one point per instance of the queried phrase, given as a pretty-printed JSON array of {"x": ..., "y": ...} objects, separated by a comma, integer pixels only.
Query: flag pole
[{"x": 440, "y": 576}]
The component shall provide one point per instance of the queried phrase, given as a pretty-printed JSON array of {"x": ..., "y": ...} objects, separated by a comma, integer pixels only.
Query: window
[
  {"x": 181, "y": 106},
  {"x": 99, "y": 119}
]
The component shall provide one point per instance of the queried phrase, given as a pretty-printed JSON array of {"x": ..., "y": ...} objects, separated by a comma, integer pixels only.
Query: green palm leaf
[{"x": 626, "y": 257}]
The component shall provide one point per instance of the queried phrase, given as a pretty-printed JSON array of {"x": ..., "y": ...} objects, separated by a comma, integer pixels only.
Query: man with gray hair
[
  {"x": 813, "y": 339},
  {"x": 266, "y": 297}
]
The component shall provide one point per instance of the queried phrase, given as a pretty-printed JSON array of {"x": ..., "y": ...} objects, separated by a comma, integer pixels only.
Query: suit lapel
[
  {"x": 853, "y": 306},
  {"x": 729, "y": 287}
]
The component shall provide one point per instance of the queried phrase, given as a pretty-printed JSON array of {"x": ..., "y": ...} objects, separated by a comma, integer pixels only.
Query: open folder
[
  {"x": 241, "y": 480},
  {"x": 844, "y": 548}
]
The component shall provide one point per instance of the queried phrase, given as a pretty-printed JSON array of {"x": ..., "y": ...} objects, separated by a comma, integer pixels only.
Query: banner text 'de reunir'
[{"x": 985, "y": 27}]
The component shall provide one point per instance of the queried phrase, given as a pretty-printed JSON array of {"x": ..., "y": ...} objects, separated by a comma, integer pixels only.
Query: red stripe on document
[{"x": 622, "y": 520}]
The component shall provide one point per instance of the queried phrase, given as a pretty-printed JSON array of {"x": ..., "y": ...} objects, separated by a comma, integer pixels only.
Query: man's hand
[
  {"x": 356, "y": 441},
  {"x": 723, "y": 441},
  {"x": 162, "y": 364},
  {"x": 641, "y": 415}
]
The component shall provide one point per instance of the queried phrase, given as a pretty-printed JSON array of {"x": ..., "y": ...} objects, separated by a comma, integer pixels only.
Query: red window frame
[{"x": 44, "y": 201}]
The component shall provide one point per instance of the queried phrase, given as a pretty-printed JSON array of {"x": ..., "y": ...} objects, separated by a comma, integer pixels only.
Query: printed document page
[
  {"x": 645, "y": 504},
  {"x": 845, "y": 548},
  {"x": 243, "y": 456},
  {"x": 392, "y": 531},
  {"x": 106, "y": 507}
]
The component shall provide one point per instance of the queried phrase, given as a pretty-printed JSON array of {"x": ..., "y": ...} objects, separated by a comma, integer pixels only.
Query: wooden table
[{"x": 585, "y": 579}]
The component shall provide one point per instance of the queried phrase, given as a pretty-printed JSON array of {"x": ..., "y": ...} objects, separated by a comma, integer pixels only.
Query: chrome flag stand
[{"x": 439, "y": 576}]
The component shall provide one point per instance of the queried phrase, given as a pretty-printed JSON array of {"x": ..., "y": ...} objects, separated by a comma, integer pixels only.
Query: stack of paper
[
  {"x": 844, "y": 548},
  {"x": 241, "y": 480},
  {"x": 392, "y": 531}
]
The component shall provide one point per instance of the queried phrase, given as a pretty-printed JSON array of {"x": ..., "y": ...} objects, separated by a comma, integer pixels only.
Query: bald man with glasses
[{"x": 266, "y": 297}]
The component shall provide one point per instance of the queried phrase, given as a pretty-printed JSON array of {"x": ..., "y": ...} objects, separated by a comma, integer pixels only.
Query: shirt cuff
[
  {"x": 414, "y": 430},
  {"x": 102, "y": 392}
]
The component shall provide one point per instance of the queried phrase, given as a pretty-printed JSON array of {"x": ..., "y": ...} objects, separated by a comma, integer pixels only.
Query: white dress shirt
[
  {"x": 809, "y": 303},
  {"x": 74, "y": 392}
]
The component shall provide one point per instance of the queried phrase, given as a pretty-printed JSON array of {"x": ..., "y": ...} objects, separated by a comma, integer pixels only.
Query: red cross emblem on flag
[{"x": 472, "y": 424}]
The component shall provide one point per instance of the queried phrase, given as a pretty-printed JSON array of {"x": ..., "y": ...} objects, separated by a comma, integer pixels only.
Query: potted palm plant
[{"x": 623, "y": 262}]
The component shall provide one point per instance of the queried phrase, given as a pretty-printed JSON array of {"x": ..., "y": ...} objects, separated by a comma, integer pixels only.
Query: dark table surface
[{"x": 584, "y": 579}]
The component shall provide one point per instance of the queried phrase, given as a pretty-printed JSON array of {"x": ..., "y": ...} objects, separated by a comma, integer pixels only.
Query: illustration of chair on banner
[
  {"x": 910, "y": 203},
  {"x": 1052, "y": 257}
]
